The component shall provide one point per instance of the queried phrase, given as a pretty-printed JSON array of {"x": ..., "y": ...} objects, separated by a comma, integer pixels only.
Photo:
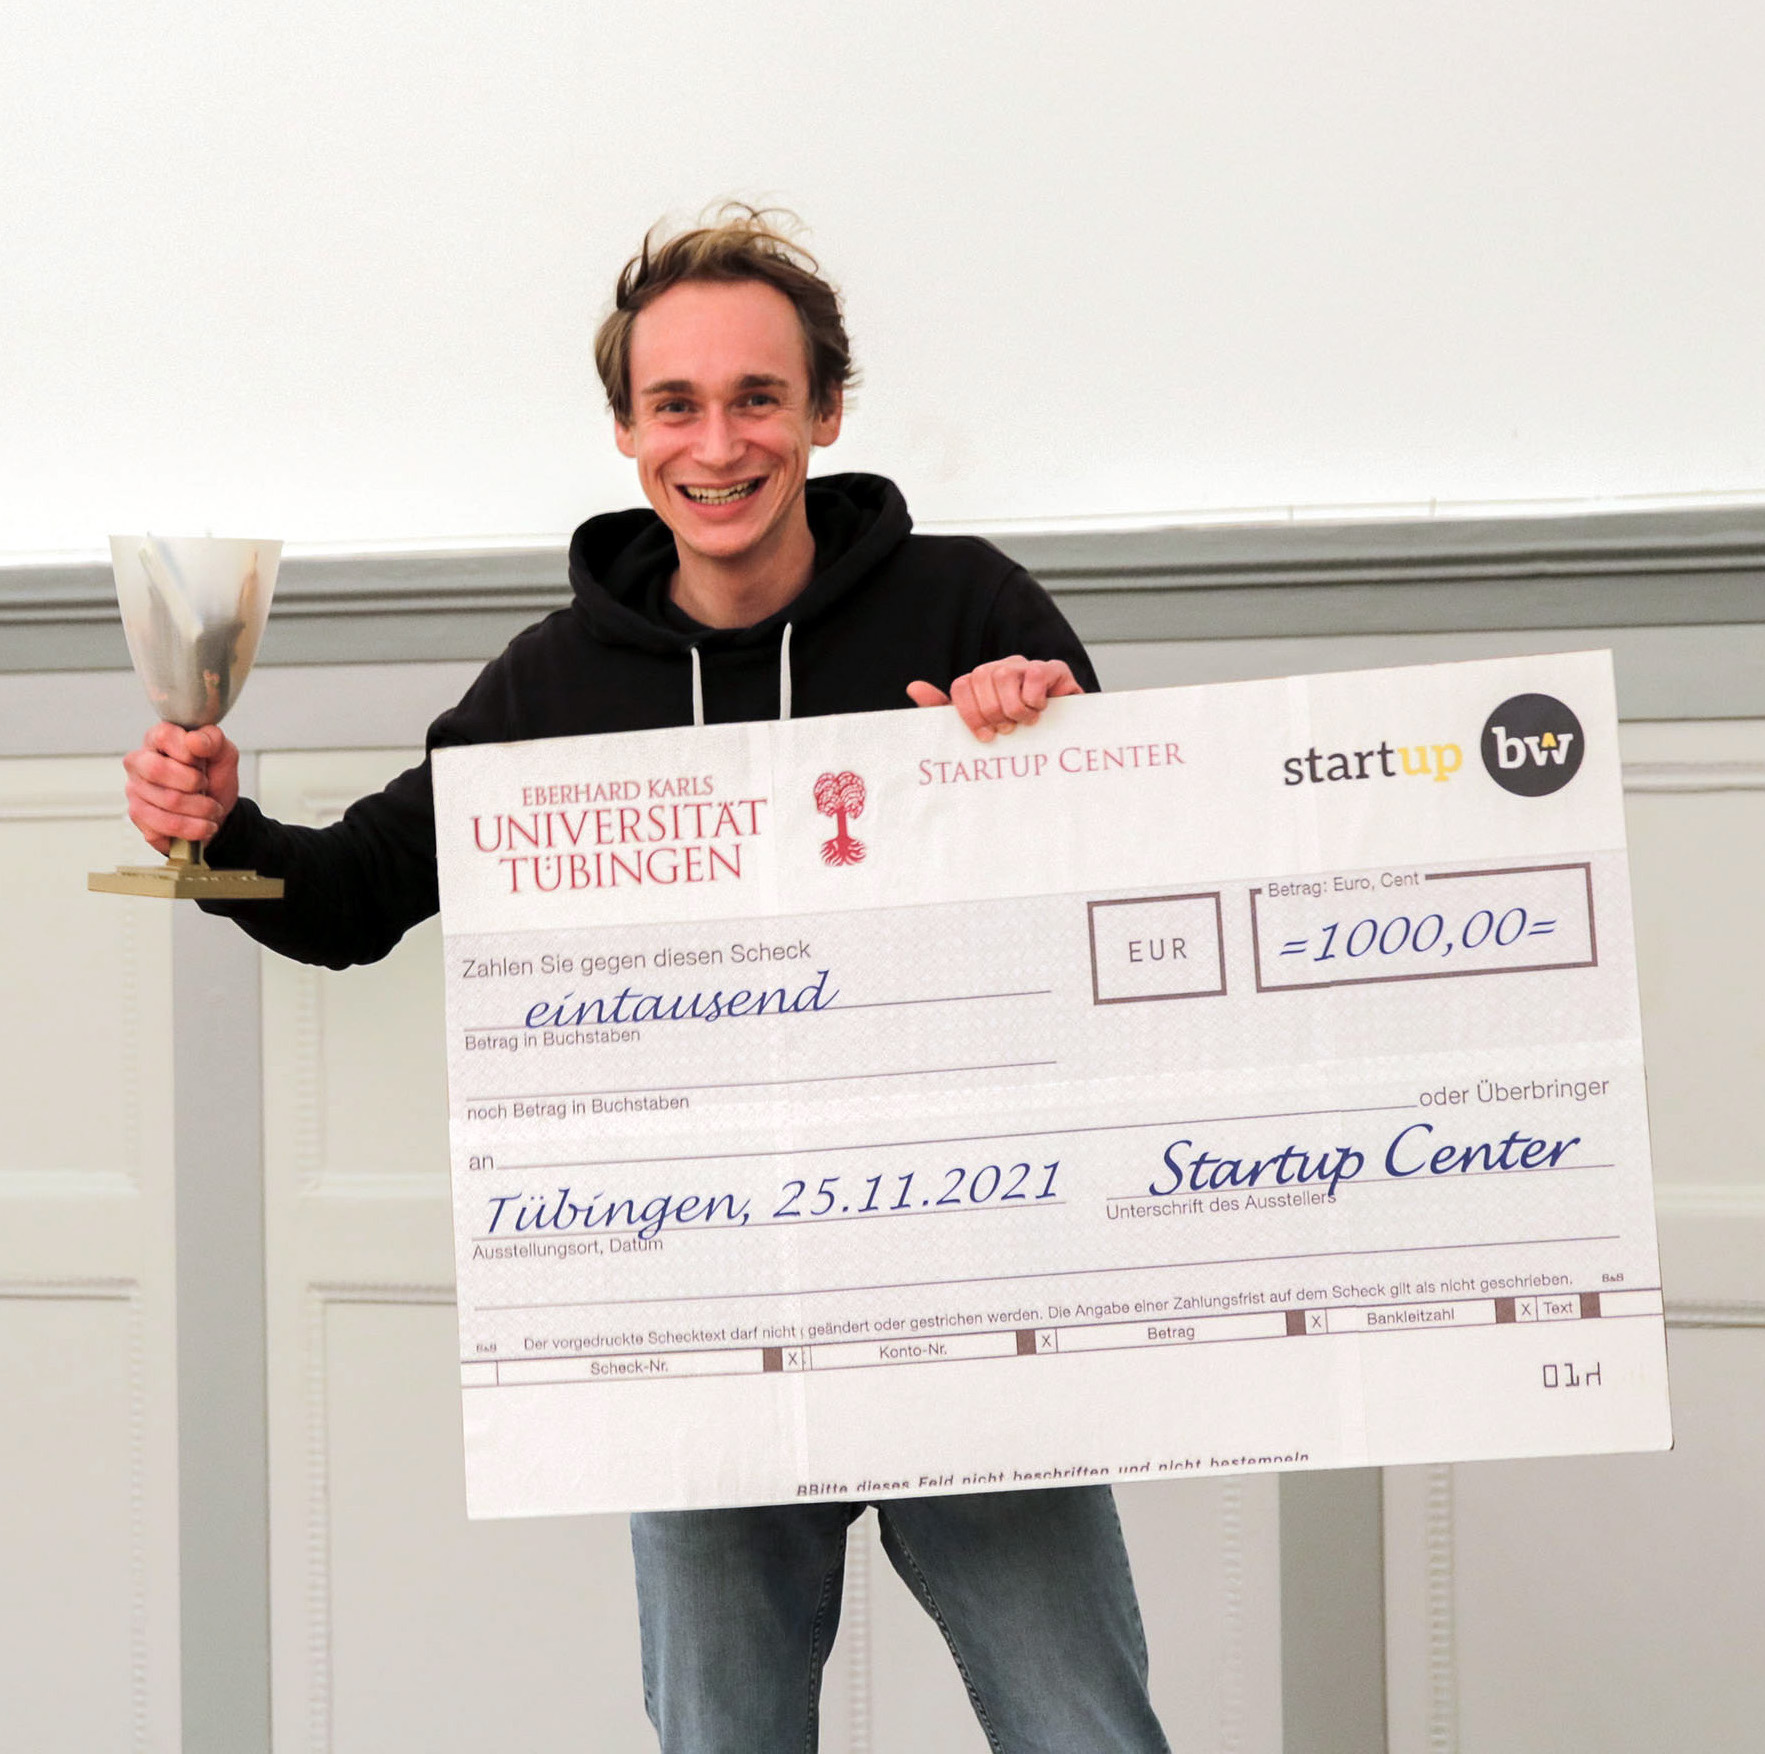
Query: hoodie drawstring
[{"x": 784, "y": 679}]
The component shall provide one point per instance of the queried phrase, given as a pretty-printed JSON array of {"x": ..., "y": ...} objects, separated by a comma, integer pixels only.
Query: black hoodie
[{"x": 884, "y": 608}]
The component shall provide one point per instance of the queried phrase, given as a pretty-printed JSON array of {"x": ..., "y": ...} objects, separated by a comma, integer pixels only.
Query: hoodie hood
[{"x": 621, "y": 563}]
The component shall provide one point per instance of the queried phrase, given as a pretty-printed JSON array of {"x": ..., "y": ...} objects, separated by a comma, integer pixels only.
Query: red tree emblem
[{"x": 840, "y": 795}]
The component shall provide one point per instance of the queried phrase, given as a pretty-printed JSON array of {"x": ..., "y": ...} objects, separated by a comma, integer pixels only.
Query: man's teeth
[{"x": 720, "y": 495}]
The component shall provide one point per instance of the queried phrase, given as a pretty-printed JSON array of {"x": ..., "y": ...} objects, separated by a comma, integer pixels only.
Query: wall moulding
[
  {"x": 1694, "y": 776},
  {"x": 316, "y": 1686},
  {"x": 1695, "y": 1313},
  {"x": 1189, "y": 582},
  {"x": 128, "y": 1293}
]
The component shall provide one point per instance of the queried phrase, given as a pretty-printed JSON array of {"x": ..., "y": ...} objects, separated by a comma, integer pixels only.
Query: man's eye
[{"x": 759, "y": 399}]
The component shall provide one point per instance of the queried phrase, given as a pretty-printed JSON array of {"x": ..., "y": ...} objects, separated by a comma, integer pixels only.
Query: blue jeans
[{"x": 1030, "y": 1589}]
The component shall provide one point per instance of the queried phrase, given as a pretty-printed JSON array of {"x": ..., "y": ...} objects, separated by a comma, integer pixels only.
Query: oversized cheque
[{"x": 1206, "y": 1079}]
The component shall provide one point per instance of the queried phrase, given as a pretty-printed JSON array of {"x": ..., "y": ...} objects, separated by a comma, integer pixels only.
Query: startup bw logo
[{"x": 1532, "y": 745}]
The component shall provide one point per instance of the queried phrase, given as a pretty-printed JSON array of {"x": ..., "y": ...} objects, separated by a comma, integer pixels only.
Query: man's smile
[{"x": 721, "y": 495}]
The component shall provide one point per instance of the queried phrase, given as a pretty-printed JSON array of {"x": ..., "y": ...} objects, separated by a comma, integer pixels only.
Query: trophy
[{"x": 193, "y": 610}]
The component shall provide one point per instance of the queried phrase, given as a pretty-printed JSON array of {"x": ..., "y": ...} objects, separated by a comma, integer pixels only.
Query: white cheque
[{"x": 1203, "y": 1080}]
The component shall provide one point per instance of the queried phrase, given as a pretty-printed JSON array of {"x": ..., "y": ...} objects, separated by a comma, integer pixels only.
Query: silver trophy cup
[{"x": 193, "y": 610}]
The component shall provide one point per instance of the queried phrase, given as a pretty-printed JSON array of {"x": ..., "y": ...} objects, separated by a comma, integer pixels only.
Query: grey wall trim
[
  {"x": 1333, "y": 1612},
  {"x": 341, "y": 706},
  {"x": 1662, "y": 672},
  {"x": 1189, "y": 582},
  {"x": 1628, "y": 569},
  {"x": 1700, "y": 672},
  {"x": 223, "y": 1457}
]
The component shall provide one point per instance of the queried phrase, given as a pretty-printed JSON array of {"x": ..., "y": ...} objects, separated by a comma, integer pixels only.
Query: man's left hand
[{"x": 994, "y": 699}]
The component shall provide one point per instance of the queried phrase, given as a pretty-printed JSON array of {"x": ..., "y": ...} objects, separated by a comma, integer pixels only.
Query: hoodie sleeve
[
  {"x": 354, "y": 889},
  {"x": 1023, "y": 620}
]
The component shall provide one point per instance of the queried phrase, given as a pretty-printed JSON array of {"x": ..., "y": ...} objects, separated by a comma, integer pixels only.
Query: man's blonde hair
[{"x": 740, "y": 243}]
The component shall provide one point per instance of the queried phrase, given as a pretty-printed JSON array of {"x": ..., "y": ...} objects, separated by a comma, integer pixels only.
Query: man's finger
[
  {"x": 205, "y": 743},
  {"x": 165, "y": 808},
  {"x": 175, "y": 802},
  {"x": 924, "y": 694},
  {"x": 985, "y": 683},
  {"x": 1009, "y": 683},
  {"x": 164, "y": 770},
  {"x": 1032, "y": 691},
  {"x": 174, "y": 741},
  {"x": 159, "y": 824},
  {"x": 962, "y": 697}
]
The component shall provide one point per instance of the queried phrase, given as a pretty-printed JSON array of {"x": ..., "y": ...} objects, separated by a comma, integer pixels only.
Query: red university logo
[{"x": 840, "y": 795}]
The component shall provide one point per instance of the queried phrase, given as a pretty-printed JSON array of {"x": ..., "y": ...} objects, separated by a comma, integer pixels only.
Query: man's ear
[
  {"x": 827, "y": 426},
  {"x": 624, "y": 438}
]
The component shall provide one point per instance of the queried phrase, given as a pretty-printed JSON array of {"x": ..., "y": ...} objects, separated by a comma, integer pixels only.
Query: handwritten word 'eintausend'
[{"x": 628, "y": 1006}]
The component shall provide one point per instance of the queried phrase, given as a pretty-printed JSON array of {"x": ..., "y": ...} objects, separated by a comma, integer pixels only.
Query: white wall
[{"x": 329, "y": 271}]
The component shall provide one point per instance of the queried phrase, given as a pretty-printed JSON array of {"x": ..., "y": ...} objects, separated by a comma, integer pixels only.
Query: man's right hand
[{"x": 181, "y": 784}]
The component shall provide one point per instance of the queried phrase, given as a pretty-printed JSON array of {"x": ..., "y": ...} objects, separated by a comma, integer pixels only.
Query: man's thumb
[{"x": 924, "y": 694}]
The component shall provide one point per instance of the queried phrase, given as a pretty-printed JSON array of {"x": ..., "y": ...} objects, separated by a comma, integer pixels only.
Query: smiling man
[{"x": 744, "y": 590}]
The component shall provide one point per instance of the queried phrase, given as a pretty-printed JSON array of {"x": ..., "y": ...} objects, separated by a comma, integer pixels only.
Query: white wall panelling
[
  {"x": 394, "y": 1621},
  {"x": 1610, "y": 1605},
  {"x": 1696, "y": 803},
  {"x": 74, "y": 1602},
  {"x": 357, "y": 1081},
  {"x": 88, "y": 1487},
  {"x": 1421, "y": 1645},
  {"x": 1606, "y": 1604},
  {"x": 1206, "y": 1557},
  {"x": 74, "y": 986}
]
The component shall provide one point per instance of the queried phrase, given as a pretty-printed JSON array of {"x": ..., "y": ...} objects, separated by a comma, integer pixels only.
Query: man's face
[{"x": 722, "y": 423}]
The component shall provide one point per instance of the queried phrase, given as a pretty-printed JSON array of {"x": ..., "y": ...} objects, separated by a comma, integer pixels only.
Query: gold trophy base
[{"x": 184, "y": 877}]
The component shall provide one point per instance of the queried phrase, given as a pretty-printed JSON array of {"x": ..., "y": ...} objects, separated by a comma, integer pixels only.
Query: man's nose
[{"x": 718, "y": 442}]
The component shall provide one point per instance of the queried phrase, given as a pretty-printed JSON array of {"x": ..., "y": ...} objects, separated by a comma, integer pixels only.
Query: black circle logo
[{"x": 1532, "y": 745}]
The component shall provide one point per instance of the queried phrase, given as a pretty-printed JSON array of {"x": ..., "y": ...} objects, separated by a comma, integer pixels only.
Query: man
[{"x": 744, "y": 591}]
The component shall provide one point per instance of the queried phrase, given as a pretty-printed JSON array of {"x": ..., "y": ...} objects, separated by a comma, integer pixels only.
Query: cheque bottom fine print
[{"x": 1202, "y": 1080}]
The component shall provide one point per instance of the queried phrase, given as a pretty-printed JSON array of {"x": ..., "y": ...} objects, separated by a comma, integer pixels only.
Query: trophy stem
[{"x": 184, "y": 852}]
